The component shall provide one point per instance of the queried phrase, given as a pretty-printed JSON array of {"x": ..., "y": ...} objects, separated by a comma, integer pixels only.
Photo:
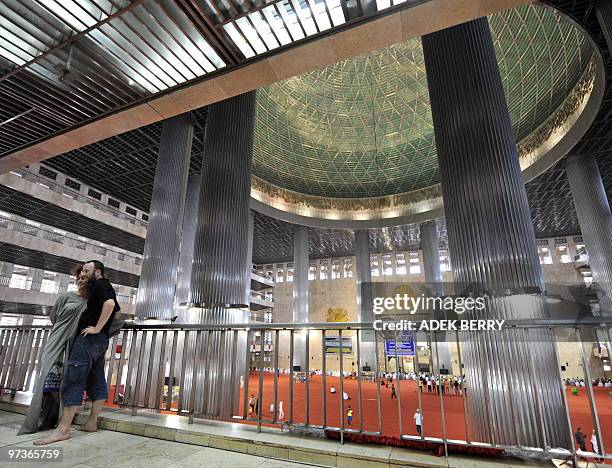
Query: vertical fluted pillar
[
  {"x": 431, "y": 256},
  {"x": 301, "y": 265},
  {"x": 603, "y": 11},
  {"x": 157, "y": 282},
  {"x": 363, "y": 286},
  {"x": 430, "y": 248},
  {"x": 218, "y": 281},
  {"x": 595, "y": 220},
  {"x": 249, "y": 256},
  {"x": 190, "y": 219},
  {"x": 491, "y": 241}
]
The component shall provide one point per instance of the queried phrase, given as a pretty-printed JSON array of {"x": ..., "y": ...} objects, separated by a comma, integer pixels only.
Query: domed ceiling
[{"x": 363, "y": 128}]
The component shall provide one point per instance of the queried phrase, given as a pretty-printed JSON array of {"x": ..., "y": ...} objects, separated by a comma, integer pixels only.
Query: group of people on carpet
[
  {"x": 577, "y": 382},
  {"x": 72, "y": 360}
]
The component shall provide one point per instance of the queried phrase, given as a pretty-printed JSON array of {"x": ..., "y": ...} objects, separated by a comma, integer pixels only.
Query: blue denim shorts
[{"x": 85, "y": 370}]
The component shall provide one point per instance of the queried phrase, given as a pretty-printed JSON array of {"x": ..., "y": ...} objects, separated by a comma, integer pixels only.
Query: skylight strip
[
  {"x": 62, "y": 14},
  {"x": 305, "y": 16},
  {"x": 336, "y": 12},
  {"x": 186, "y": 37},
  {"x": 291, "y": 20},
  {"x": 251, "y": 35},
  {"x": 137, "y": 54},
  {"x": 320, "y": 14},
  {"x": 194, "y": 61},
  {"x": 23, "y": 48},
  {"x": 263, "y": 28},
  {"x": 240, "y": 42},
  {"x": 382, "y": 4},
  {"x": 276, "y": 23},
  {"x": 12, "y": 53},
  {"x": 86, "y": 17},
  {"x": 137, "y": 72},
  {"x": 153, "y": 49}
]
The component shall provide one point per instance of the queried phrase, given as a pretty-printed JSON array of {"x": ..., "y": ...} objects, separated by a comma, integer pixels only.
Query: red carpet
[
  {"x": 432, "y": 421},
  {"x": 432, "y": 415}
]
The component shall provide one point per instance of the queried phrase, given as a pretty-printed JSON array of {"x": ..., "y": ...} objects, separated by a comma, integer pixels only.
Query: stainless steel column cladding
[
  {"x": 363, "y": 277},
  {"x": 491, "y": 238},
  {"x": 190, "y": 219},
  {"x": 159, "y": 265},
  {"x": 430, "y": 248},
  {"x": 301, "y": 266},
  {"x": 595, "y": 221},
  {"x": 603, "y": 10},
  {"x": 219, "y": 284}
]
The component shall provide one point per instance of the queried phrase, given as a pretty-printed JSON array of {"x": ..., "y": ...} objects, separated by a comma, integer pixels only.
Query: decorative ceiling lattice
[{"x": 363, "y": 127}]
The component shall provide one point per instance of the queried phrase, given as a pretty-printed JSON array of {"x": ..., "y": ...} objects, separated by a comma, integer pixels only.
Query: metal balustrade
[
  {"x": 69, "y": 240},
  {"x": 168, "y": 368},
  {"x": 60, "y": 288},
  {"x": 78, "y": 196}
]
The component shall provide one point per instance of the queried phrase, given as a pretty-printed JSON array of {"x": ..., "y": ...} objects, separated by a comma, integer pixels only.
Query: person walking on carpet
[{"x": 418, "y": 421}]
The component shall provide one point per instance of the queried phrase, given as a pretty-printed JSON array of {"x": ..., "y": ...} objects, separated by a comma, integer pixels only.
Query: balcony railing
[
  {"x": 58, "y": 288},
  {"x": 78, "y": 196},
  {"x": 166, "y": 368},
  {"x": 69, "y": 240}
]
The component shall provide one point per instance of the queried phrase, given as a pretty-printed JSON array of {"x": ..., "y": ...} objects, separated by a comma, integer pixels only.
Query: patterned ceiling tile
[{"x": 363, "y": 128}]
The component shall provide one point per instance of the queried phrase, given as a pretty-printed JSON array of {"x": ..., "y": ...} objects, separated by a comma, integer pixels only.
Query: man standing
[
  {"x": 85, "y": 367},
  {"x": 418, "y": 420},
  {"x": 580, "y": 439}
]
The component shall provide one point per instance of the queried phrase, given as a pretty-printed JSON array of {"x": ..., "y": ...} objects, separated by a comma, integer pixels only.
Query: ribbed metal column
[
  {"x": 363, "y": 280},
  {"x": 159, "y": 265},
  {"x": 249, "y": 256},
  {"x": 431, "y": 256},
  {"x": 301, "y": 265},
  {"x": 492, "y": 241},
  {"x": 430, "y": 248},
  {"x": 190, "y": 219},
  {"x": 595, "y": 220},
  {"x": 218, "y": 280},
  {"x": 363, "y": 274},
  {"x": 603, "y": 10}
]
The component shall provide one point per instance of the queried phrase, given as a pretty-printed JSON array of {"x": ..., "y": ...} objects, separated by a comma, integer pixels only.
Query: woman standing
[{"x": 65, "y": 318}]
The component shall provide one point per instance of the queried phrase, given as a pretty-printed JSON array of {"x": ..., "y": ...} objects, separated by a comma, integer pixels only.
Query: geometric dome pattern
[{"x": 363, "y": 127}]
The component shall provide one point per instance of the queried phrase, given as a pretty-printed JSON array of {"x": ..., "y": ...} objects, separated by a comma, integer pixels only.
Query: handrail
[
  {"x": 66, "y": 238},
  {"x": 529, "y": 323},
  {"x": 61, "y": 288},
  {"x": 78, "y": 196},
  {"x": 193, "y": 370}
]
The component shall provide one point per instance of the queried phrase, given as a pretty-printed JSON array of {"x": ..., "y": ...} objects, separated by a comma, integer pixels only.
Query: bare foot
[
  {"x": 89, "y": 427},
  {"x": 56, "y": 436}
]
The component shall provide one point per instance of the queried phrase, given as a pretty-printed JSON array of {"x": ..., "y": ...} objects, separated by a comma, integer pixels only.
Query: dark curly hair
[{"x": 76, "y": 271}]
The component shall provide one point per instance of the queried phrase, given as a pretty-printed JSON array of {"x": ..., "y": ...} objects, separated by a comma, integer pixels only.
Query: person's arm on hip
[{"x": 107, "y": 310}]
